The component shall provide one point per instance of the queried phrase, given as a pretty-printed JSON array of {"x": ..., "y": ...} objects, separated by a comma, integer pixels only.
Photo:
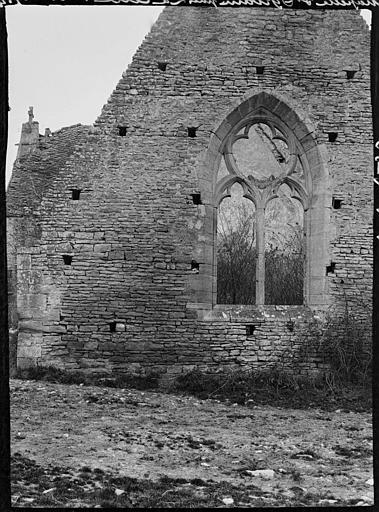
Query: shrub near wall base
[{"x": 344, "y": 347}]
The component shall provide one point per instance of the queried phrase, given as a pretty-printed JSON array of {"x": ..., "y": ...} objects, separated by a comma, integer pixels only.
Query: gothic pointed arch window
[{"x": 262, "y": 195}]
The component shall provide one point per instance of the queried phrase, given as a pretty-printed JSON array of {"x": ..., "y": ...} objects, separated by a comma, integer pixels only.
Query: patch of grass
[
  {"x": 246, "y": 387},
  {"x": 272, "y": 387},
  {"x": 352, "y": 452},
  {"x": 343, "y": 346},
  {"x": 57, "y": 375}
]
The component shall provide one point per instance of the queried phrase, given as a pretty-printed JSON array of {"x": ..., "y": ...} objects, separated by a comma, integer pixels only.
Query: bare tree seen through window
[{"x": 263, "y": 152}]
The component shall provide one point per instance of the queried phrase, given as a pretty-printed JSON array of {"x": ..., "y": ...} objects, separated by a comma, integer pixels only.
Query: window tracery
[{"x": 263, "y": 157}]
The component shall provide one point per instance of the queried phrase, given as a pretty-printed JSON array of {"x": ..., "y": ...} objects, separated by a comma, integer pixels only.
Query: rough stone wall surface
[{"x": 127, "y": 299}]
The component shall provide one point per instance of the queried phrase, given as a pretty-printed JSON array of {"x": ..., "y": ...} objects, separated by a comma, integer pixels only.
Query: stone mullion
[
  {"x": 214, "y": 255},
  {"x": 260, "y": 269}
]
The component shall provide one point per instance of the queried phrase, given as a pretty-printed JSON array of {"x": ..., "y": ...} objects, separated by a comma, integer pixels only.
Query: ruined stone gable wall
[{"x": 135, "y": 230}]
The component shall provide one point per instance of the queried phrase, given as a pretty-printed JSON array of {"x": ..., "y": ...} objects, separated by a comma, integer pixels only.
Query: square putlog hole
[
  {"x": 67, "y": 259},
  {"x": 350, "y": 74},
  {"x": 332, "y": 136},
  {"x": 122, "y": 131},
  {"x": 192, "y": 131},
  {"x": 331, "y": 268},
  {"x": 162, "y": 66},
  {"x": 195, "y": 267},
  {"x": 75, "y": 194},
  {"x": 260, "y": 70},
  {"x": 336, "y": 203},
  {"x": 250, "y": 329},
  {"x": 196, "y": 198}
]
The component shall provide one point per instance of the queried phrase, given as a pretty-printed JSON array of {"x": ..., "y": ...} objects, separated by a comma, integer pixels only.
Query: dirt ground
[{"x": 326, "y": 456}]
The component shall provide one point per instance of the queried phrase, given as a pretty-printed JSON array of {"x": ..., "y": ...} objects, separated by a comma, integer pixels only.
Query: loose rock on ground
[{"x": 200, "y": 450}]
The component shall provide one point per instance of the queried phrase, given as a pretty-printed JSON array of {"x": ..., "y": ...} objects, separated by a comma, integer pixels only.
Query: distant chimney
[{"x": 29, "y": 136}]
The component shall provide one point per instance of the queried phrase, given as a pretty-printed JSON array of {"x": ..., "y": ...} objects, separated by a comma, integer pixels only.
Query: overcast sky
[{"x": 66, "y": 61}]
